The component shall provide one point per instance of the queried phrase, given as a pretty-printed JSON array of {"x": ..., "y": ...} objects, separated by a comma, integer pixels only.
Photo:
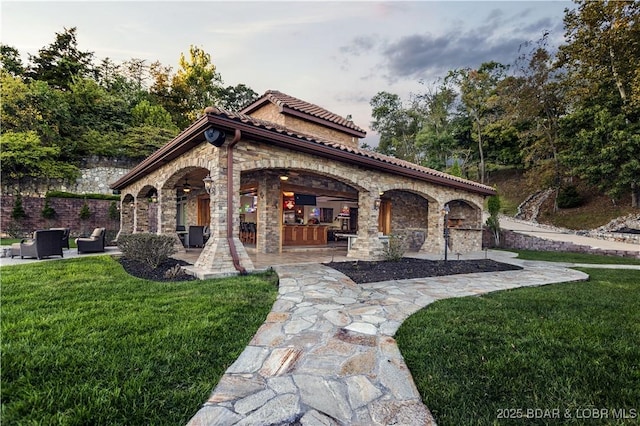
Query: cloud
[{"x": 428, "y": 56}]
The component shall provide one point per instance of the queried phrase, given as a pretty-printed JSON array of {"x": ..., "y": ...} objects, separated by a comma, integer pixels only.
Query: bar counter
[{"x": 304, "y": 235}]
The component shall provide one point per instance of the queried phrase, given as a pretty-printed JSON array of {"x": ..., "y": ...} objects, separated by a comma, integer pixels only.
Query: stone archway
[{"x": 465, "y": 226}]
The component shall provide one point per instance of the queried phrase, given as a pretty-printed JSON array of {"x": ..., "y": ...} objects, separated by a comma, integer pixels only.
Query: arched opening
[
  {"x": 464, "y": 223},
  {"x": 283, "y": 209},
  {"x": 185, "y": 206},
  {"x": 404, "y": 214}
]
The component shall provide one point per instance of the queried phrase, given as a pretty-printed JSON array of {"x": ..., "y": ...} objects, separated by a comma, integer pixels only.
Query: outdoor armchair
[
  {"x": 94, "y": 243},
  {"x": 44, "y": 243},
  {"x": 65, "y": 236},
  {"x": 196, "y": 236}
]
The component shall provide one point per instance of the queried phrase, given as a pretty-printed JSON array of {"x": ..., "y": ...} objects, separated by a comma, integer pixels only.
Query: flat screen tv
[{"x": 305, "y": 200}]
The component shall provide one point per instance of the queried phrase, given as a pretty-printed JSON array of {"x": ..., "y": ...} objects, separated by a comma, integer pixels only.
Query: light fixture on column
[
  {"x": 208, "y": 184},
  {"x": 376, "y": 203}
]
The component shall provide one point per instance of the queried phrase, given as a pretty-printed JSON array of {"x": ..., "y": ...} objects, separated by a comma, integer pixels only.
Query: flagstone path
[{"x": 326, "y": 353}]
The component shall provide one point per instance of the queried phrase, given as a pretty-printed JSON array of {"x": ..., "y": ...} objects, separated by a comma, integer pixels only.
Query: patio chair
[
  {"x": 196, "y": 236},
  {"x": 65, "y": 236},
  {"x": 94, "y": 243},
  {"x": 45, "y": 243}
]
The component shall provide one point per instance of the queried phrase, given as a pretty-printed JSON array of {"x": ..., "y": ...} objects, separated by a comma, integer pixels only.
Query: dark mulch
[
  {"x": 142, "y": 270},
  {"x": 368, "y": 272}
]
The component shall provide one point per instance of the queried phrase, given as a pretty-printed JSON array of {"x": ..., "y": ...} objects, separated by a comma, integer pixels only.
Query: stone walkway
[{"x": 326, "y": 353}]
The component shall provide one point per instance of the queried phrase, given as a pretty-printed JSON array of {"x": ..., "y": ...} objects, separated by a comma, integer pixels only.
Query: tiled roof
[
  {"x": 283, "y": 101},
  {"x": 267, "y": 125}
]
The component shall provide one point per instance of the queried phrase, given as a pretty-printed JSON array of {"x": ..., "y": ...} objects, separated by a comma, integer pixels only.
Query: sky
[{"x": 334, "y": 54}]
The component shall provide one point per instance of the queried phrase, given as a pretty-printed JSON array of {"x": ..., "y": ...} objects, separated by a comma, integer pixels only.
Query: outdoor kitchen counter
[{"x": 304, "y": 235}]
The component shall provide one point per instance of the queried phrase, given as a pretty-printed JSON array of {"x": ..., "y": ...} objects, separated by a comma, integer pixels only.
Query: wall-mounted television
[{"x": 305, "y": 200}]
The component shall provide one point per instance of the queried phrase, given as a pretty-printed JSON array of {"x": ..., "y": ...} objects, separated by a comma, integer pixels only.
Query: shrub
[
  {"x": 150, "y": 249},
  {"x": 394, "y": 249},
  {"x": 48, "y": 212},
  {"x": 569, "y": 197},
  {"x": 114, "y": 213},
  {"x": 85, "y": 213},
  {"x": 18, "y": 212},
  {"x": 63, "y": 194}
]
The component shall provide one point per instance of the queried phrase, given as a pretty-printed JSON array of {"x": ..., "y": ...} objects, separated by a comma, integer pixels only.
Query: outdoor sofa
[{"x": 45, "y": 243}]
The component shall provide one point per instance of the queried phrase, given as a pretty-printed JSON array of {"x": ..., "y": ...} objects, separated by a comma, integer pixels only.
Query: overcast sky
[{"x": 334, "y": 54}]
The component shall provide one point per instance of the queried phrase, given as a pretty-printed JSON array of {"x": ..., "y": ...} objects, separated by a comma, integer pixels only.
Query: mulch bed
[
  {"x": 144, "y": 271},
  {"x": 368, "y": 272}
]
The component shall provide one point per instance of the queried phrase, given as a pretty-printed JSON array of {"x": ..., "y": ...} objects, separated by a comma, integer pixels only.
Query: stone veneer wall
[
  {"x": 519, "y": 241},
  {"x": 96, "y": 174},
  {"x": 270, "y": 112},
  {"x": 252, "y": 156}
]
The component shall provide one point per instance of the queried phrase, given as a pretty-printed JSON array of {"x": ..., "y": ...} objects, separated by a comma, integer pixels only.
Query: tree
[
  {"x": 22, "y": 155},
  {"x": 10, "y": 60},
  {"x": 61, "y": 62},
  {"x": 397, "y": 126},
  {"x": 233, "y": 98},
  {"x": 602, "y": 59},
  {"x": 533, "y": 103},
  {"x": 435, "y": 139},
  {"x": 195, "y": 85},
  {"x": 477, "y": 92}
]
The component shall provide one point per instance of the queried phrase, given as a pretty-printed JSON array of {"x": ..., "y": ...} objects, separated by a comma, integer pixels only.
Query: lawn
[
  {"x": 571, "y": 349},
  {"x": 574, "y": 257},
  {"x": 85, "y": 343}
]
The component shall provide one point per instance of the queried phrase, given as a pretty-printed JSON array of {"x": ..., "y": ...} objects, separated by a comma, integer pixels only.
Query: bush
[
  {"x": 18, "y": 212},
  {"x": 150, "y": 249},
  {"x": 569, "y": 197},
  {"x": 394, "y": 249},
  {"x": 48, "y": 212},
  {"x": 63, "y": 194},
  {"x": 85, "y": 212},
  {"x": 114, "y": 213}
]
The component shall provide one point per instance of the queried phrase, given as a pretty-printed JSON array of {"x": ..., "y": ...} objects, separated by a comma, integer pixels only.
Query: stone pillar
[
  {"x": 215, "y": 259},
  {"x": 269, "y": 238},
  {"x": 368, "y": 245},
  {"x": 126, "y": 217},
  {"x": 167, "y": 216},
  {"x": 434, "y": 242},
  {"x": 142, "y": 214}
]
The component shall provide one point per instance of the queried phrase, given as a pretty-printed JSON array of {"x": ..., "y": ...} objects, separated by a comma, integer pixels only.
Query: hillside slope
[{"x": 597, "y": 209}]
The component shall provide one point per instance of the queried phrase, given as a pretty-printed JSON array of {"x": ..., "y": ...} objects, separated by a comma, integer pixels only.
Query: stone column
[
  {"x": 368, "y": 245},
  {"x": 216, "y": 259},
  {"x": 434, "y": 242},
  {"x": 269, "y": 214},
  {"x": 167, "y": 215},
  {"x": 142, "y": 214}
]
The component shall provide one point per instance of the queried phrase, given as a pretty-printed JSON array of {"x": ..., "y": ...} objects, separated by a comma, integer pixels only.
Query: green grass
[
  {"x": 571, "y": 346},
  {"x": 555, "y": 256},
  {"x": 84, "y": 343}
]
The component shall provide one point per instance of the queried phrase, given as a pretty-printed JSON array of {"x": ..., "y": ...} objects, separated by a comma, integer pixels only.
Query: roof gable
[{"x": 306, "y": 111}]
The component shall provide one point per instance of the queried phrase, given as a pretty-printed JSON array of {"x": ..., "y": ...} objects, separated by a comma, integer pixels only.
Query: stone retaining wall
[
  {"x": 67, "y": 216},
  {"x": 515, "y": 240}
]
